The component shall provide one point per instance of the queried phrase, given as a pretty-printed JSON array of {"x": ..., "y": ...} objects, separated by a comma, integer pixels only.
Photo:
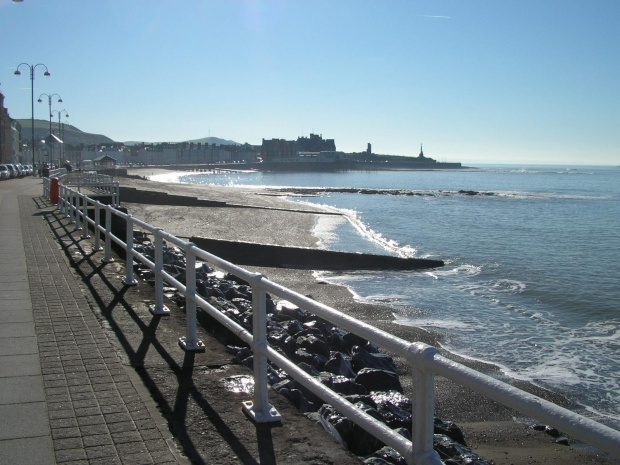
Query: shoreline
[{"x": 490, "y": 429}]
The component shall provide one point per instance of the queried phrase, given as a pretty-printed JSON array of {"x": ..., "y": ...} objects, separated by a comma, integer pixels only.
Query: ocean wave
[{"x": 325, "y": 231}]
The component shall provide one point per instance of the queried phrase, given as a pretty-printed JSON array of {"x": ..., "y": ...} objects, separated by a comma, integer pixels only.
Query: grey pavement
[{"x": 65, "y": 396}]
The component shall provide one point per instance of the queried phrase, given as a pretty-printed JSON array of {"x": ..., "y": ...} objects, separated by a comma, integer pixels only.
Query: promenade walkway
[
  {"x": 65, "y": 396},
  {"x": 89, "y": 376}
]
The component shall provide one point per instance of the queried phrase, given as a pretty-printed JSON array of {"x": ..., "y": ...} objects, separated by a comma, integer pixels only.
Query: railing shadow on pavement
[{"x": 109, "y": 297}]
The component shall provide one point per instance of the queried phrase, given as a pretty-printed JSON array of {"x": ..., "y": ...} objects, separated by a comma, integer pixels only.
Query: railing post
[
  {"x": 190, "y": 341},
  {"x": 68, "y": 205},
  {"x": 61, "y": 190},
  {"x": 423, "y": 420},
  {"x": 107, "y": 257},
  {"x": 129, "y": 281},
  {"x": 159, "y": 308},
  {"x": 73, "y": 200},
  {"x": 78, "y": 201},
  {"x": 97, "y": 227},
  {"x": 260, "y": 410},
  {"x": 117, "y": 194},
  {"x": 85, "y": 234}
]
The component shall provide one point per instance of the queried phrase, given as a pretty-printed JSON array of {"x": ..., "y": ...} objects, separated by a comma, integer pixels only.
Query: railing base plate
[
  {"x": 165, "y": 311},
  {"x": 199, "y": 346},
  {"x": 259, "y": 417},
  {"x": 132, "y": 282}
]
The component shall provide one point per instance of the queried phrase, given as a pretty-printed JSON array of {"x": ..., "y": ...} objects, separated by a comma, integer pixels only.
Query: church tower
[{"x": 421, "y": 152}]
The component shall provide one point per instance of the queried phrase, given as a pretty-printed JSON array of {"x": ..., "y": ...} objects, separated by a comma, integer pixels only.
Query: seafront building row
[{"x": 50, "y": 146}]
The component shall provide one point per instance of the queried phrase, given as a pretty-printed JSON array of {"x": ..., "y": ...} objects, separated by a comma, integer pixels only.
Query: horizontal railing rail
[
  {"x": 97, "y": 184},
  {"x": 424, "y": 360}
]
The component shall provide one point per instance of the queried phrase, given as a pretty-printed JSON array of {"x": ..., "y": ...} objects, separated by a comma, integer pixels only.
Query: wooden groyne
[{"x": 275, "y": 256}]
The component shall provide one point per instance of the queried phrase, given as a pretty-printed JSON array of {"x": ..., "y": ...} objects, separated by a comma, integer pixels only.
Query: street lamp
[
  {"x": 49, "y": 100},
  {"x": 32, "y": 70},
  {"x": 61, "y": 135}
]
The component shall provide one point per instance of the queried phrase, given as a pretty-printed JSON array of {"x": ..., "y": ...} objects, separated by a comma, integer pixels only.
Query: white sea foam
[{"x": 173, "y": 176}]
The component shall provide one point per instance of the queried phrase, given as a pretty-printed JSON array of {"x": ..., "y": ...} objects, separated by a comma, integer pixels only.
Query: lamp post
[
  {"x": 32, "y": 71},
  {"x": 49, "y": 100},
  {"x": 61, "y": 134}
]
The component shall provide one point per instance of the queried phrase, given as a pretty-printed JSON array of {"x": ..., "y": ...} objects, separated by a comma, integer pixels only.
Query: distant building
[
  {"x": 281, "y": 150},
  {"x": 278, "y": 150},
  {"x": 10, "y": 136},
  {"x": 118, "y": 152},
  {"x": 104, "y": 162},
  {"x": 315, "y": 143}
]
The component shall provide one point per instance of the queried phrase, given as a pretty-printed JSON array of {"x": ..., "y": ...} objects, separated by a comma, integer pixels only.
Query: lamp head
[
  {"x": 46, "y": 73},
  {"x": 17, "y": 73},
  {"x": 39, "y": 100},
  {"x": 59, "y": 100}
]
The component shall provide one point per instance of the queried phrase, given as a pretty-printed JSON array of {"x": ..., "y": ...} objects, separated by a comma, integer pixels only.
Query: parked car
[
  {"x": 4, "y": 172},
  {"x": 13, "y": 170}
]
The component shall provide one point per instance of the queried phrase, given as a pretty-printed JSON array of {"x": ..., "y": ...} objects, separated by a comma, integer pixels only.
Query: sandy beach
[{"x": 257, "y": 215}]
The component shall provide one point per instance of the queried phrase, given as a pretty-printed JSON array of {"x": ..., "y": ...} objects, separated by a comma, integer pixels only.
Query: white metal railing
[
  {"x": 425, "y": 360},
  {"x": 100, "y": 184}
]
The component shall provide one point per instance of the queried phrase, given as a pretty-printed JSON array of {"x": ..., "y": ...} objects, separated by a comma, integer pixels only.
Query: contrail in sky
[{"x": 435, "y": 16}]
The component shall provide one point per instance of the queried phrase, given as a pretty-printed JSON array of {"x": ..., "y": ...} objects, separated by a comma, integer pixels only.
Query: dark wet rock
[
  {"x": 317, "y": 324},
  {"x": 275, "y": 376},
  {"x": 239, "y": 292},
  {"x": 243, "y": 353},
  {"x": 305, "y": 332},
  {"x": 304, "y": 400},
  {"x": 363, "y": 399},
  {"x": 449, "y": 429},
  {"x": 243, "y": 305},
  {"x": 289, "y": 310},
  {"x": 396, "y": 413},
  {"x": 340, "y": 427},
  {"x": 283, "y": 340},
  {"x": 236, "y": 279},
  {"x": 313, "y": 345},
  {"x": 341, "y": 385},
  {"x": 336, "y": 341},
  {"x": 292, "y": 327},
  {"x": 459, "y": 454},
  {"x": 538, "y": 427},
  {"x": 385, "y": 455},
  {"x": 316, "y": 360},
  {"x": 562, "y": 441},
  {"x": 360, "y": 358},
  {"x": 309, "y": 369},
  {"x": 358, "y": 441},
  {"x": 297, "y": 398},
  {"x": 248, "y": 362},
  {"x": 339, "y": 364},
  {"x": 378, "y": 380},
  {"x": 361, "y": 442},
  {"x": 551, "y": 431},
  {"x": 221, "y": 304},
  {"x": 352, "y": 340},
  {"x": 207, "y": 289},
  {"x": 394, "y": 397}
]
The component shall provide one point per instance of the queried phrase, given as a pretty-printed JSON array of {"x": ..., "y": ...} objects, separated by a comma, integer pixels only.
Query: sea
[{"x": 531, "y": 281}]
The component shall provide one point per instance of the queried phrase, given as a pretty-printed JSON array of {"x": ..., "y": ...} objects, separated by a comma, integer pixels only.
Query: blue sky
[{"x": 480, "y": 81}]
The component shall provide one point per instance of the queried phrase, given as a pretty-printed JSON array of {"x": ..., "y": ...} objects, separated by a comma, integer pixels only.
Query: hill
[
  {"x": 72, "y": 135},
  {"x": 204, "y": 140}
]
